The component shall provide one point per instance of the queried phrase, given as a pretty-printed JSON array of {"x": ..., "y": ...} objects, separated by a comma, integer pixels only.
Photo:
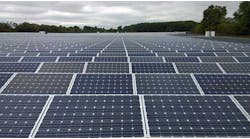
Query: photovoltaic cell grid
[
  {"x": 153, "y": 63},
  {"x": 195, "y": 116},
  {"x": 38, "y": 84},
  {"x": 224, "y": 84},
  {"x": 236, "y": 67},
  {"x": 18, "y": 67},
  {"x": 152, "y": 68},
  {"x": 92, "y": 116},
  {"x": 198, "y": 68},
  {"x": 108, "y": 68},
  {"x": 165, "y": 84},
  {"x": 18, "y": 114},
  {"x": 102, "y": 84},
  {"x": 62, "y": 67}
]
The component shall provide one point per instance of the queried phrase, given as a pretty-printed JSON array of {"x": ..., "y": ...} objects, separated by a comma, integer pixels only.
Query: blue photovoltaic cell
[
  {"x": 152, "y": 68},
  {"x": 107, "y": 68},
  {"x": 224, "y": 84},
  {"x": 4, "y": 78},
  {"x": 62, "y": 67},
  {"x": 92, "y": 116},
  {"x": 9, "y": 59},
  {"x": 141, "y": 54},
  {"x": 244, "y": 102},
  {"x": 75, "y": 59},
  {"x": 146, "y": 59},
  {"x": 102, "y": 84},
  {"x": 200, "y": 54},
  {"x": 18, "y": 67},
  {"x": 230, "y": 54},
  {"x": 165, "y": 84},
  {"x": 243, "y": 59},
  {"x": 216, "y": 59},
  {"x": 39, "y": 59},
  {"x": 195, "y": 116},
  {"x": 110, "y": 59},
  {"x": 198, "y": 68},
  {"x": 18, "y": 114},
  {"x": 84, "y": 54},
  {"x": 236, "y": 67},
  {"x": 181, "y": 59},
  {"x": 38, "y": 84},
  {"x": 53, "y": 54}
]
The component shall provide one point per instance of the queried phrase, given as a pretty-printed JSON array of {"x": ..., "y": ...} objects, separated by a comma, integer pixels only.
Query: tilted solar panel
[
  {"x": 195, "y": 116},
  {"x": 92, "y": 116}
]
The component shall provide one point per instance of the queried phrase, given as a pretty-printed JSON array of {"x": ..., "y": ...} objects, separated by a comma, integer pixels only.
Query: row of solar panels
[
  {"x": 124, "y": 116},
  {"x": 223, "y": 84},
  {"x": 126, "y": 59},
  {"x": 89, "y": 67},
  {"x": 123, "y": 53}
]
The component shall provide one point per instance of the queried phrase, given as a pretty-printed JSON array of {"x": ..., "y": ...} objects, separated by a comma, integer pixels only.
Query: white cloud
[{"x": 105, "y": 14}]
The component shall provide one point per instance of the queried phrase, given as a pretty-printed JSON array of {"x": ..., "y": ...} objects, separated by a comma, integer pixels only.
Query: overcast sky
[{"x": 105, "y": 14}]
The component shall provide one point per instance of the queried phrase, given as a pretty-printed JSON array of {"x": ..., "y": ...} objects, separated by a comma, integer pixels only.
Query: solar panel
[
  {"x": 102, "y": 84},
  {"x": 195, "y": 116},
  {"x": 244, "y": 102},
  {"x": 230, "y": 54},
  {"x": 110, "y": 59},
  {"x": 170, "y": 54},
  {"x": 75, "y": 59},
  {"x": 18, "y": 114},
  {"x": 9, "y": 59},
  {"x": 243, "y": 59},
  {"x": 216, "y": 59},
  {"x": 146, "y": 59},
  {"x": 62, "y": 67},
  {"x": 53, "y": 54},
  {"x": 4, "y": 78},
  {"x": 236, "y": 67},
  {"x": 224, "y": 84},
  {"x": 84, "y": 54},
  {"x": 18, "y": 67},
  {"x": 198, "y": 68},
  {"x": 152, "y": 68},
  {"x": 165, "y": 84},
  {"x": 39, "y": 59},
  {"x": 141, "y": 54},
  {"x": 92, "y": 116},
  {"x": 23, "y": 54},
  {"x": 181, "y": 59},
  {"x": 199, "y": 54},
  {"x": 112, "y": 54},
  {"x": 108, "y": 68},
  {"x": 38, "y": 84}
]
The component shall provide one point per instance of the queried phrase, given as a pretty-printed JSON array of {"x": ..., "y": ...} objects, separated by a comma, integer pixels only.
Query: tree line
[
  {"x": 214, "y": 18},
  {"x": 142, "y": 27}
]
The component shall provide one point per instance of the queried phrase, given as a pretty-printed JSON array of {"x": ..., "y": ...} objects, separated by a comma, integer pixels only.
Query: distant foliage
[
  {"x": 161, "y": 27},
  {"x": 214, "y": 19},
  {"x": 242, "y": 17}
]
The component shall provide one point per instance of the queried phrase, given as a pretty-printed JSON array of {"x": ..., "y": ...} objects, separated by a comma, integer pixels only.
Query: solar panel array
[{"x": 123, "y": 85}]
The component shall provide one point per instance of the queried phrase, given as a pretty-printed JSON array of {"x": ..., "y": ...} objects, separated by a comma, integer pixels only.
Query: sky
[{"x": 106, "y": 13}]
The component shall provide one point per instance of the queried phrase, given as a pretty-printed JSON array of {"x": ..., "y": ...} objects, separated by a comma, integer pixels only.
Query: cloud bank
[{"x": 105, "y": 14}]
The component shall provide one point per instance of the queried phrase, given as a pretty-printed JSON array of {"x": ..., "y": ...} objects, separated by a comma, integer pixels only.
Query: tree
[
  {"x": 242, "y": 17},
  {"x": 213, "y": 16},
  {"x": 5, "y": 27},
  {"x": 119, "y": 29}
]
